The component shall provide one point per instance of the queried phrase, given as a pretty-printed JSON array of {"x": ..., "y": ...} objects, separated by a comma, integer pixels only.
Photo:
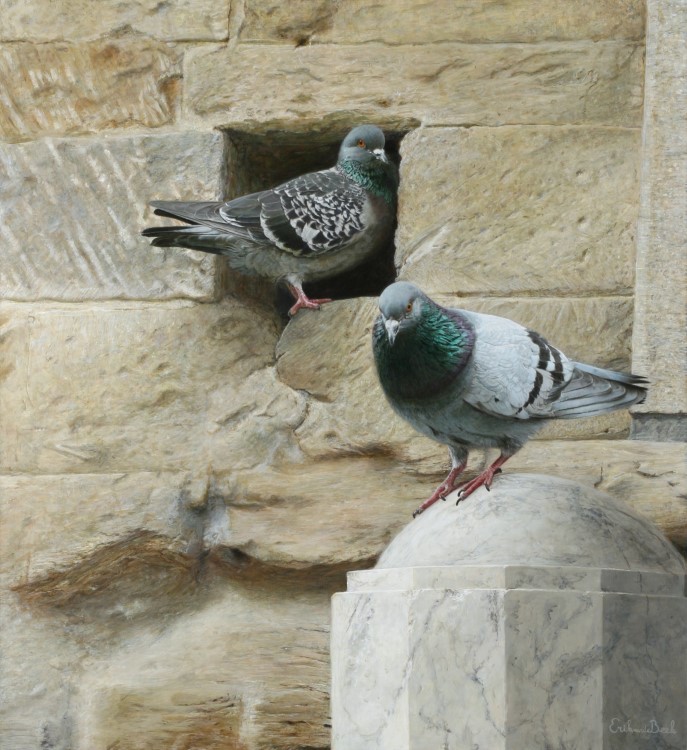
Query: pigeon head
[
  {"x": 363, "y": 144},
  {"x": 401, "y": 305}
]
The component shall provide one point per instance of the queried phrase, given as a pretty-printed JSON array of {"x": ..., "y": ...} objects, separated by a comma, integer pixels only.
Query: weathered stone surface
[
  {"x": 311, "y": 498},
  {"x": 519, "y": 210},
  {"x": 78, "y": 397},
  {"x": 64, "y": 89},
  {"x": 252, "y": 423},
  {"x": 39, "y": 672},
  {"x": 94, "y": 513},
  {"x": 71, "y": 213},
  {"x": 576, "y": 83},
  {"x": 34, "y": 20},
  {"x": 404, "y": 22},
  {"x": 248, "y": 670},
  {"x": 660, "y": 333},
  {"x": 260, "y": 679}
]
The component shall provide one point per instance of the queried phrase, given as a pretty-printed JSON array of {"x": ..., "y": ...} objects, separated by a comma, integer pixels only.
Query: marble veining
[
  {"x": 545, "y": 520},
  {"x": 545, "y": 617}
]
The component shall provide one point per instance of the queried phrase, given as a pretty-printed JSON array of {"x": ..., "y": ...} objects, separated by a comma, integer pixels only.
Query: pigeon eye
[
  {"x": 361, "y": 143},
  {"x": 409, "y": 307}
]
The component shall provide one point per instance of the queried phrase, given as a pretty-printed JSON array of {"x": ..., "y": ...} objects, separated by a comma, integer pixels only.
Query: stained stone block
[
  {"x": 542, "y": 614},
  {"x": 62, "y": 89},
  {"x": 397, "y": 86},
  {"x": 68, "y": 408},
  {"x": 81, "y": 20},
  {"x": 92, "y": 512},
  {"x": 519, "y": 210},
  {"x": 402, "y": 22},
  {"x": 71, "y": 212},
  {"x": 244, "y": 667}
]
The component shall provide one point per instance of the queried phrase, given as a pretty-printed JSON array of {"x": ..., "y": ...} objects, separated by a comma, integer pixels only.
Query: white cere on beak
[
  {"x": 381, "y": 155},
  {"x": 391, "y": 326}
]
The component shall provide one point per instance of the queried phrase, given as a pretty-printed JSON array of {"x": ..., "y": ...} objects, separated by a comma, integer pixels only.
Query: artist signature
[{"x": 651, "y": 727}]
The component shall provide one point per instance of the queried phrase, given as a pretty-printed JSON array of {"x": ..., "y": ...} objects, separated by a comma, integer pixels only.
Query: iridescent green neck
[
  {"x": 426, "y": 357},
  {"x": 374, "y": 175}
]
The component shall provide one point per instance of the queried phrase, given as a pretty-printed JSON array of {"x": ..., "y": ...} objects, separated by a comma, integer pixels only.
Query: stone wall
[{"x": 186, "y": 478}]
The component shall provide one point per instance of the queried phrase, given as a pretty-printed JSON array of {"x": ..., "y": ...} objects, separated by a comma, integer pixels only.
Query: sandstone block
[
  {"x": 252, "y": 424},
  {"x": 82, "y": 522},
  {"x": 399, "y": 86},
  {"x": 72, "y": 20},
  {"x": 519, "y": 210},
  {"x": 71, "y": 212},
  {"x": 260, "y": 680},
  {"x": 404, "y": 22},
  {"x": 65, "y": 89},
  {"x": 660, "y": 333},
  {"x": 80, "y": 398}
]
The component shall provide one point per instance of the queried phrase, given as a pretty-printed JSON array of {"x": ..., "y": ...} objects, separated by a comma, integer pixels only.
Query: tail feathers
[
  {"x": 192, "y": 212},
  {"x": 594, "y": 391},
  {"x": 193, "y": 237}
]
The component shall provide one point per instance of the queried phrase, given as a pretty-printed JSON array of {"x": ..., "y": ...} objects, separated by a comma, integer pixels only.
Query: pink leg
[
  {"x": 485, "y": 478},
  {"x": 302, "y": 299},
  {"x": 443, "y": 489}
]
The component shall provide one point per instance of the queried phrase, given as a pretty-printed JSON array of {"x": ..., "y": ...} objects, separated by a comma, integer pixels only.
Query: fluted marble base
[{"x": 525, "y": 657}]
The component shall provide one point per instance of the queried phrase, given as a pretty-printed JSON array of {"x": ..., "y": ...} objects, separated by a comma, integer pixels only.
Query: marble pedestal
[{"x": 541, "y": 615}]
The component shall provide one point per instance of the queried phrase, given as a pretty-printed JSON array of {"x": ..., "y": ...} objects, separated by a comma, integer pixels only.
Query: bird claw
[
  {"x": 307, "y": 304},
  {"x": 417, "y": 512},
  {"x": 487, "y": 485}
]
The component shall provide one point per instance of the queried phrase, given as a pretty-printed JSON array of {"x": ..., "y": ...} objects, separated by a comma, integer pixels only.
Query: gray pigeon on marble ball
[
  {"x": 469, "y": 380},
  {"x": 309, "y": 228}
]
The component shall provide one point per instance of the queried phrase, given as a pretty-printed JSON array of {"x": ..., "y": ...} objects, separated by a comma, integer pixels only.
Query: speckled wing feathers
[
  {"x": 324, "y": 209},
  {"x": 310, "y": 215}
]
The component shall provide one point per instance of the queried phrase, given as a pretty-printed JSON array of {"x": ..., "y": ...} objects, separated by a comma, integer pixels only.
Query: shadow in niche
[{"x": 259, "y": 161}]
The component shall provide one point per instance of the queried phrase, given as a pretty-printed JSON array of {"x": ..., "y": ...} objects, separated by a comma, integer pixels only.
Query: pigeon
[
  {"x": 469, "y": 380},
  {"x": 309, "y": 228}
]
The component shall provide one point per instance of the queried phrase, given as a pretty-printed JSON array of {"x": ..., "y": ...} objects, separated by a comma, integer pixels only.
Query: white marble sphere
[
  {"x": 542, "y": 614},
  {"x": 531, "y": 519}
]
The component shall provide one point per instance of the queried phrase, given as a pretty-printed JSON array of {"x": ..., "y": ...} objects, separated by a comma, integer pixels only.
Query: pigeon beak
[
  {"x": 381, "y": 155},
  {"x": 391, "y": 326}
]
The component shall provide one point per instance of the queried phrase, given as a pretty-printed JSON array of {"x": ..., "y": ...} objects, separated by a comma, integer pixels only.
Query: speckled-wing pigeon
[
  {"x": 309, "y": 228},
  {"x": 470, "y": 380}
]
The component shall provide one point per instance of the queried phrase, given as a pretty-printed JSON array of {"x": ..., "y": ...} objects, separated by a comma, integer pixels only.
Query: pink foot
[
  {"x": 307, "y": 304},
  {"x": 484, "y": 479},
  {"x": 303, "y": 301},
  {"x": 442, "y": 490}
]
